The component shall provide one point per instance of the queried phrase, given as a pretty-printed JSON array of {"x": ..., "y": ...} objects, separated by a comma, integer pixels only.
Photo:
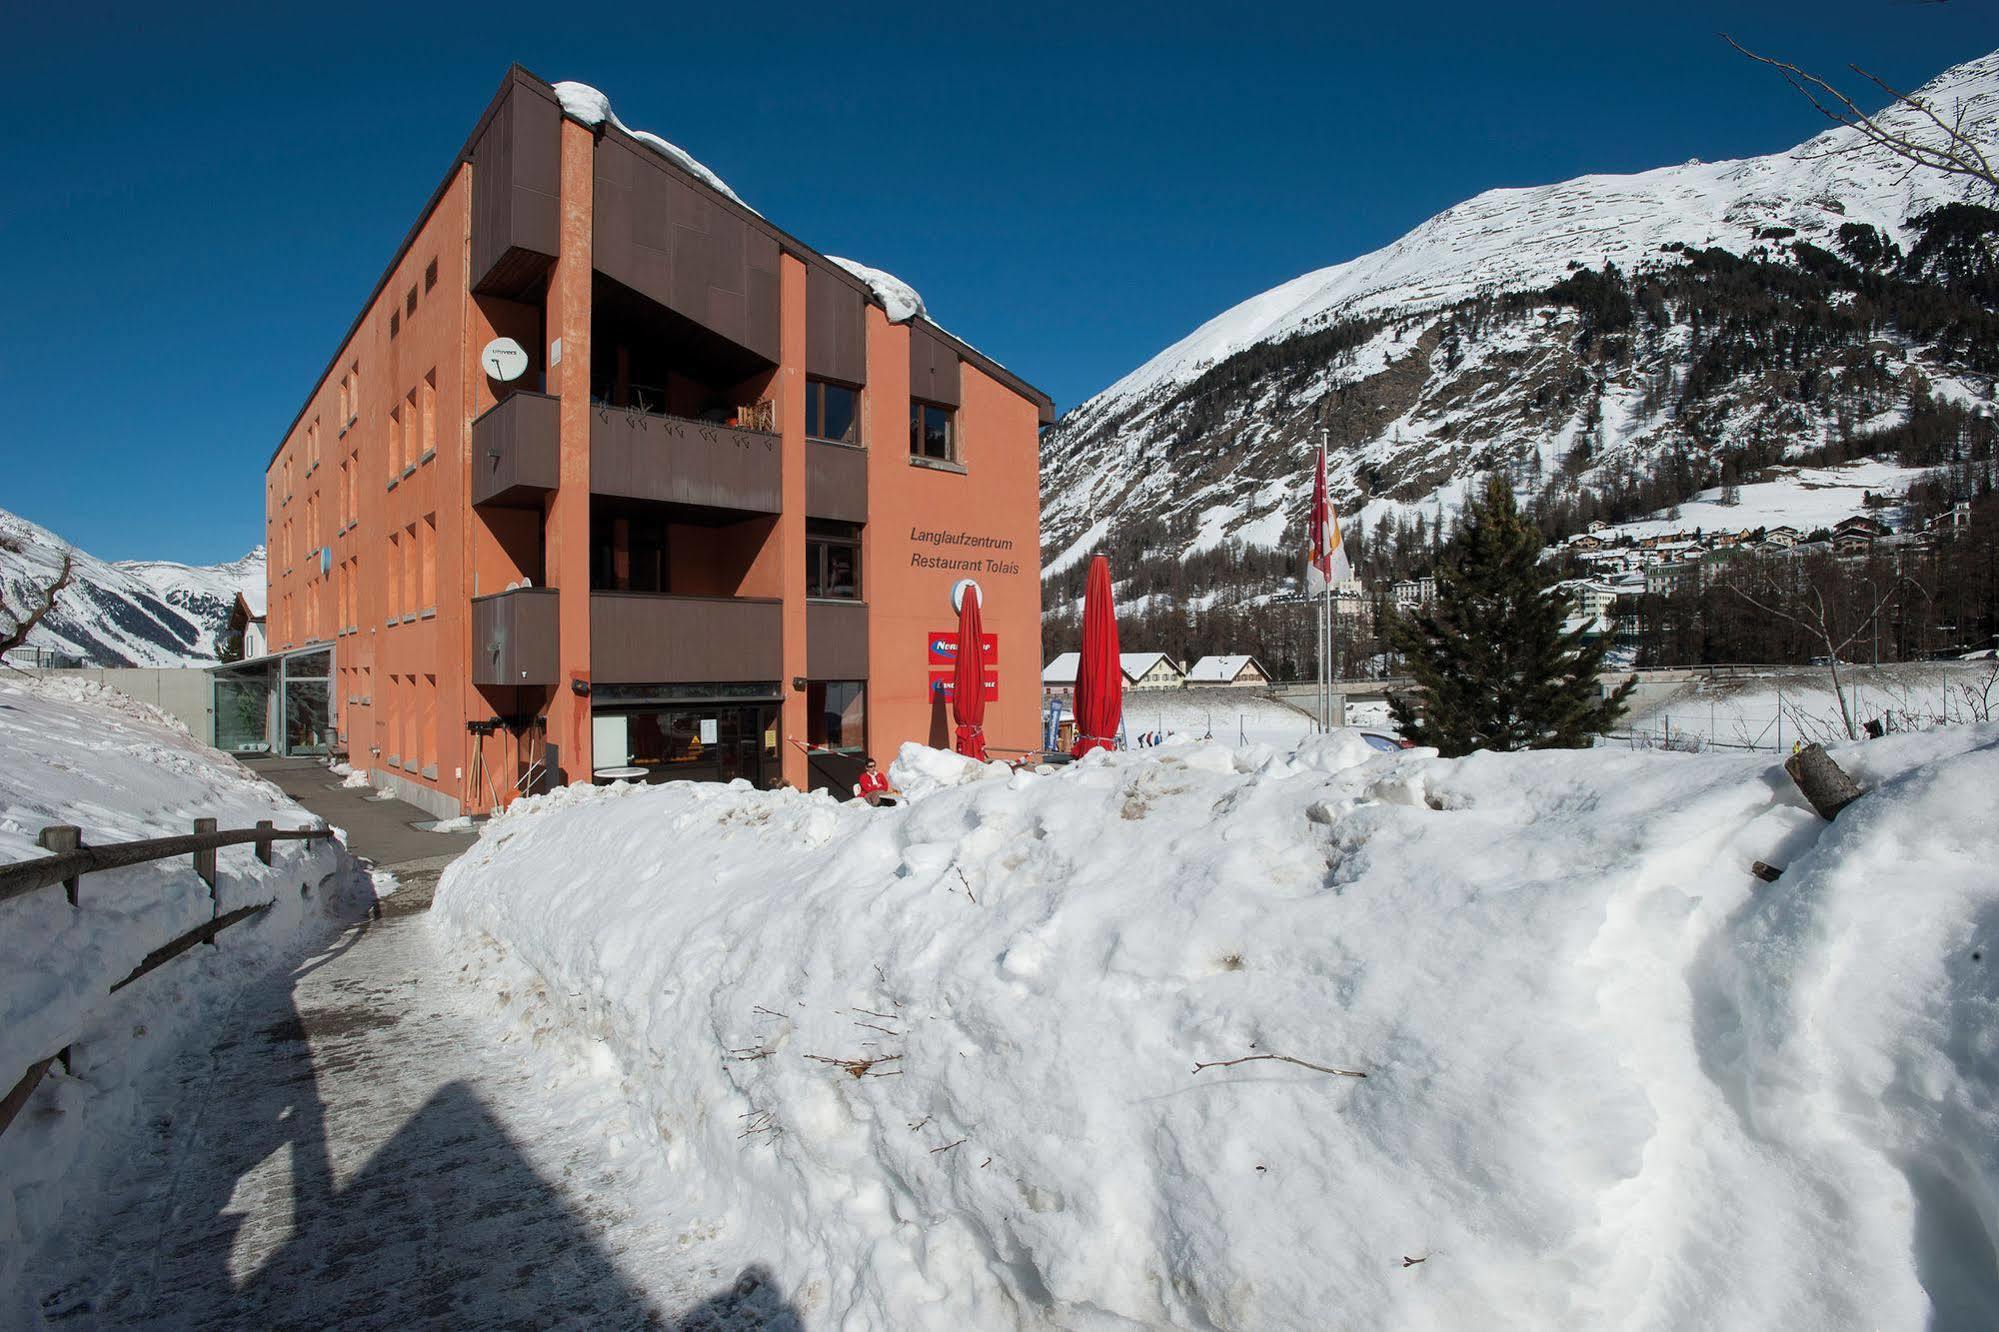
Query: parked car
[{"x": 1385, "y": 742}]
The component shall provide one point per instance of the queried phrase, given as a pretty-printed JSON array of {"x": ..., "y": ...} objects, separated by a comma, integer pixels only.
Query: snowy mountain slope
[
  {"x": 143, "y": 613},
  {"x": 1440, "y": 356},
  {"x": 206, "y": 593}
]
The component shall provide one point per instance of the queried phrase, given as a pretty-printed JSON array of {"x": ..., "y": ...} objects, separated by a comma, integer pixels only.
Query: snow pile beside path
[
  {"x": 935, "y": 1063},
  {"x": 919, "y": 771},
  {"x": 79, "y": 753}
]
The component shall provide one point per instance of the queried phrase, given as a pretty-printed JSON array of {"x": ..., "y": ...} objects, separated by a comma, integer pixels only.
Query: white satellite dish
[
  {"x": 504, "y": 359},
  {"x": 958, "y": 594}
]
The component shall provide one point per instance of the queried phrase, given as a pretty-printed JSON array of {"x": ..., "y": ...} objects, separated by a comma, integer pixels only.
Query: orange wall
[{"x": 997, "y": 496}]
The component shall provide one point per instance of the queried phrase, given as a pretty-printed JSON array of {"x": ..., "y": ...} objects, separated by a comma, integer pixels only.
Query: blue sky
[{"x": 197, "y": 201}]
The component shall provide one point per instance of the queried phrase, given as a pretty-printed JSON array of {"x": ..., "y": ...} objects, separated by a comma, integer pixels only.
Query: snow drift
[
  {"x": 78, "y": 752},
  {"x": 936, "y": 1063}
]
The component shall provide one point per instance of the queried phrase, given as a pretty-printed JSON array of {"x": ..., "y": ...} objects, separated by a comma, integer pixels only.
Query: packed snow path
[{"x": 364, "y": 1144}]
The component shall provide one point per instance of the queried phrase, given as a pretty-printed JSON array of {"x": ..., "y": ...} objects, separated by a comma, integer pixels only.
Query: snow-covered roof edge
[
  {"x": 587, "y": 106},
  {"x": 901, "y": 300}
]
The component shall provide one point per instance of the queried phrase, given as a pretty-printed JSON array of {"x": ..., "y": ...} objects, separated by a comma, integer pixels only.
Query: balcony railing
[
  {"x": 651, "y": 456},
  {"x": 650, "y": 638},
  {"x": 516, "y": 451},
  {"x": 514, "y": 637}
]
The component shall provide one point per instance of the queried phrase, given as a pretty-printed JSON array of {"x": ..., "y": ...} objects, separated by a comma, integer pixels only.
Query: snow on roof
[
  {"x": 1210, "y": 669},
  {"x": 901, "y": 299},
  {"x": 253, "y": 601},
  {"x": 1136, "y": 664},
  {"x": 587, "y": 106},
  {"x": 1062, "y": 670}
]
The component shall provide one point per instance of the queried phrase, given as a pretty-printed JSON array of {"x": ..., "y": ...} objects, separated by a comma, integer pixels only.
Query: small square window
[
  {"x": 932, "y": 432},
  {"x": 429, "y": 276}
]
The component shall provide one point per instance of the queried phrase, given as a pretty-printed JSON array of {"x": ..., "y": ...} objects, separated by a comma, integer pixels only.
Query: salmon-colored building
[{"x": 613, "y": 476}]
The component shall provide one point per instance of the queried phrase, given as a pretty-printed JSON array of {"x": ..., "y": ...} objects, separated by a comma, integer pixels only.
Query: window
[
  {"x": 628, "y": 550},
  {"x": 427, "y": 710},
  {"x": 428, "y": 533},
  {"x": 933, "y": 432},
  {"x": 395, "y": 573},
  {"x": 395, "y": 323},
  {"x": 412, "y": 431},
  {"x": 429, "y": 415},
  {"x": 409, "y": 301},
  {"x": 429, "y": 276},
  {"x": 832, "y": 411},
  {"x": 832, "y": 559},
  {"x": 412, "y": 569},
  {"x": 836, "y": 715},
  {"x": 395, "y": 440}
]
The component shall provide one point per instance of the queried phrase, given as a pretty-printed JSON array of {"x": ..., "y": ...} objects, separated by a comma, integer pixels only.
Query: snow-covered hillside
[
  {"x": 1439, "y": 357},
  {"x": 938, "y": 1064},
  {"x": 135, "y": 613}
]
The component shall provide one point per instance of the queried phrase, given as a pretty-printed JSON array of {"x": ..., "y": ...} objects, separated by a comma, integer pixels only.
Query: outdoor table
[{"x": 618, "y": 774}]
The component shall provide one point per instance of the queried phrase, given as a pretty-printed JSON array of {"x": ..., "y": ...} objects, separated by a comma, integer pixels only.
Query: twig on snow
[
  {"x": 1283, "y": 1059},
  {"x": 856, "y": 1068},
  {"x": 1407, "y": 1261},
  {"x": 947, "y": 1146}
]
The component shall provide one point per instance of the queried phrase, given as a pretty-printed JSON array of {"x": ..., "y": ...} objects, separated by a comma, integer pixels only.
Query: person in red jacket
[{"x": 873, "y": 786}]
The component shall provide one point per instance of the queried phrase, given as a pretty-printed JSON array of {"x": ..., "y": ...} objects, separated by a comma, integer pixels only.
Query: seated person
[{"x": 873, "y": 786}]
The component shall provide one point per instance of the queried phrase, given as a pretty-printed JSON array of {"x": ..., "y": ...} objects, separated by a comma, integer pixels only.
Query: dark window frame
[
  {"x": 823, "y": 537},
  {"x": 818, "y": 733},
  {"x": 918, "y": 431},
  {"x": 815, "y": 395}
]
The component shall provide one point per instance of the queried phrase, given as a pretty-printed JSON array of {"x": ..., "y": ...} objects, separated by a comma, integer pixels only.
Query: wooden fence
[{"x": 69, "y": 860}]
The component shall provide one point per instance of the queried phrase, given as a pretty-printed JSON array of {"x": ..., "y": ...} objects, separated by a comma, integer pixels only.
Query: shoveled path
[{"x": 364, "y": 1144}]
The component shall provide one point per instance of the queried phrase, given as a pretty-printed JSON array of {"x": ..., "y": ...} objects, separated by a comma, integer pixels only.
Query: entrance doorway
[{"x": 698, "y": 741}]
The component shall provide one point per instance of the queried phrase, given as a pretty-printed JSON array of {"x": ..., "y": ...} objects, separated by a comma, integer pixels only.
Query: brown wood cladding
[
  {"x": 836, "y": 640},
  {"x": 637, "y": 455},
  {"x": 516, "y": 194},
  {"x": 836, "y": 481},
  {"x": 933, "y": 368},
  {"x": 641, "y": 638},
  {"x": 670, "y": 240},
  {"x": 514, "y": 637},
  {"x": 515, "y": 453},
  {"x": 835, "y": 329}
]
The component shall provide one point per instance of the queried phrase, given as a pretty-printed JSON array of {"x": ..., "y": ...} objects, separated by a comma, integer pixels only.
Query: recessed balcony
[{"x": 644, "y": 455}]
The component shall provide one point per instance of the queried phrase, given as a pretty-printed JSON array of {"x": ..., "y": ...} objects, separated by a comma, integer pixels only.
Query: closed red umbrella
[
  {"x": 1099, "y": 676},
  {"x": 968, "y": 677}
]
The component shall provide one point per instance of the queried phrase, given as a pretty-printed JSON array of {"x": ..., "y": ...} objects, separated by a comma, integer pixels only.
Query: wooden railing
[{"x": 69, "y": 860}]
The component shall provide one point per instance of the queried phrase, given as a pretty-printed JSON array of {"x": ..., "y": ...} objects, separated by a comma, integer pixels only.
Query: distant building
[
  {"x": 246, "y": 622},
  {"x": 1151, "y": 670},
  {"x": 1239, "y": 672},
  {"x": 1783, "y": 537},
  {"x": 1413, "y": 592},
  {"x": 1592, "y": 605},
  {"x": 1867, "y": 529},
  {"x": 1666, "y": 579}
]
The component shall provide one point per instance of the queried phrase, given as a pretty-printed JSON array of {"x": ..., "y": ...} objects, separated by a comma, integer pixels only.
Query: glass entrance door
[{"x": 700, "y": 743}]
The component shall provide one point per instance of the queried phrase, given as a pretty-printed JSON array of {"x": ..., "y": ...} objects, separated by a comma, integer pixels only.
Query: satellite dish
[
  {"x": 958, "y": 594},
  {"x": 504, "y": 359}
]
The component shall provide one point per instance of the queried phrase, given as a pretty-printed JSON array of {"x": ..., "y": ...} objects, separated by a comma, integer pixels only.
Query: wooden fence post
[
  {"x": 204, "y": 860},
  {"x": 264, "y": 827},
  {"x": 61, "y": 837}
]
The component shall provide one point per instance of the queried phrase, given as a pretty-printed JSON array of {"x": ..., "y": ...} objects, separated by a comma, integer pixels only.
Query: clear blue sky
[{"x": 197, "y": 199}]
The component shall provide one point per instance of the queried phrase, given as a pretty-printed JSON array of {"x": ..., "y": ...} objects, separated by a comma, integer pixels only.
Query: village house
[
  {"x": 1236, "y": 672},
  {"x": 1141, "y": 670}
]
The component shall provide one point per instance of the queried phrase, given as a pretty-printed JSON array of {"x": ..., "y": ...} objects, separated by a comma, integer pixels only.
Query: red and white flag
[{"x": 1328, "y": 566}]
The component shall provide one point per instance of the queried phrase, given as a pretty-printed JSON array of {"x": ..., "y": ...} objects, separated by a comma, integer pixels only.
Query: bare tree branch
[
  {"x": 23, "y": 626},
  {"x": 1949, "y": 149},
  {"x": 1283, "y": 1059}
]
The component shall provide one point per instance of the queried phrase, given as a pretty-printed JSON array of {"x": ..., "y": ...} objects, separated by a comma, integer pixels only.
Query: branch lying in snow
[
  {"x": 1407, "y": 1261},
  {"x": 948, "y": 1146},
  {"x": 1282, "y": 1059},
  {"x": 857, "y": 1068}
]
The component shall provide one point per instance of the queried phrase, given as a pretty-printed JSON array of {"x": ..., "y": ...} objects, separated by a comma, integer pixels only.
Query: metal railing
[{"x": 69, "y": 860}]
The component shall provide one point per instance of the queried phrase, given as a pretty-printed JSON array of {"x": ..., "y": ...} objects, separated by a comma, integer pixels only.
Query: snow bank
[
  {"x": 936, "y": 1063},
  {"x": 585, "y": 105},
  {"x": 77, "y": 752}
]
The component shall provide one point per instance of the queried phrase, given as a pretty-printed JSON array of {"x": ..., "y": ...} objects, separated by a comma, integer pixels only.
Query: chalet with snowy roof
[
  {"x": 1235, "y": 672},
  {"x": 1141, "y": 670},
  {"x": 1869, "y": 529},
  {"x": 1783, "y": 537},
  {"x": 247, "y": 624}
]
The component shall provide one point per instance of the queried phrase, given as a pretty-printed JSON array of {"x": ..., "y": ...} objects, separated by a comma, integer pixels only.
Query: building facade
[{"x": 611, "y": 475}]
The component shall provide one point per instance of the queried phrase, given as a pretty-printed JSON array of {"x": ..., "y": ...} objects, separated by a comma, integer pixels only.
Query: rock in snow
[{"x": 936, "y": 1063}]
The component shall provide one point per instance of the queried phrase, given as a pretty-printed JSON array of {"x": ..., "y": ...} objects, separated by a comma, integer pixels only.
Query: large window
[
  {"x": 933, "y": 432},
  {"x": 628, "y": 550},
  {"x": 836, "y": 715},
  {"x": 832, "y": 411},
  {"x": 832, "y": 559}
]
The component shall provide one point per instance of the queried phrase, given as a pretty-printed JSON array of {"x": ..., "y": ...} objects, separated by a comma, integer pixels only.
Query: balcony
[
  {"x": 836, "y": 640},
  {"x": 836, "y": 481},
  {"x": 516, "y": 451},
  {"x": 652, "y": 638},
  {"x": 514, "y": 637},
  {"x": 673, "y": 460}
]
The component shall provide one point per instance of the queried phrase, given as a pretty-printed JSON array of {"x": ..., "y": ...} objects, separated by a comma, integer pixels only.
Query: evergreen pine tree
[{"x": 1493, "y": 666}]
